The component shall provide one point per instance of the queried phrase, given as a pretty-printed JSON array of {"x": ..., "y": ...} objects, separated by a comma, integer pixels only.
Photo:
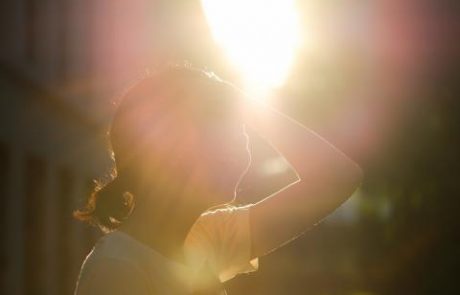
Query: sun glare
[{"x": 259, "y": 36}]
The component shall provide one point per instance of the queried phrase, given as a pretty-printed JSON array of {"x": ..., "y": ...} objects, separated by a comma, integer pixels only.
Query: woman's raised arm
[{"x": 327, "y": 177}]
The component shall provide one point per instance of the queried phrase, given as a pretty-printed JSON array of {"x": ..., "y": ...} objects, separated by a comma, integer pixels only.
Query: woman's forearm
[
  {"x": 327, "y": 178},
  {"x": 308, "y": 153}
]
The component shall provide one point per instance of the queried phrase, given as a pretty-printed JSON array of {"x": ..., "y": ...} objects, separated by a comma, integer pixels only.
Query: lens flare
[{"x": 259, "y": 37}]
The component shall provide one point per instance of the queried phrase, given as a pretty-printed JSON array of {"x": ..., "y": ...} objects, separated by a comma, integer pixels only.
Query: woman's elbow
[
  {"x": 354, "y": 178},
  {"x": 358, "y": 174}
]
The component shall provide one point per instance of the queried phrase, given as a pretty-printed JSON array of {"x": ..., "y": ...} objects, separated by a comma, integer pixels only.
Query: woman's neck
[{"x": 162, "y": 229}]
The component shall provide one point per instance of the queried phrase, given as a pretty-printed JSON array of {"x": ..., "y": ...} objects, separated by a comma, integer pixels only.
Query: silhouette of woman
[{"x": 180, "y": 148}]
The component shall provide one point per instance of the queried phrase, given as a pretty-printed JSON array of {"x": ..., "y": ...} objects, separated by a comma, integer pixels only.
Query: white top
[{"x": 216, "y": 249}]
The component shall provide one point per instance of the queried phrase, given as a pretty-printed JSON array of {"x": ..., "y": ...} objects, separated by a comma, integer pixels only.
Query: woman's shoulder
[
  {"x": 111, "y": 258},
  {"x": 110, "y": 275}
]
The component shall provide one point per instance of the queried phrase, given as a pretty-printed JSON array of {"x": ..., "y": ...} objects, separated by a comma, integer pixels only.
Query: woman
[{"x": 180, "y": 149}]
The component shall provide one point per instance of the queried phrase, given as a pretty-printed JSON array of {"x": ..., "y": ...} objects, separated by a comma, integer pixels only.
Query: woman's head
[{"x": 177, "y": 138}]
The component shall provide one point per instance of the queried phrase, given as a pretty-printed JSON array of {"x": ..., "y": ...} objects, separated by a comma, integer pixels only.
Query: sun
[{"x": 260, "y": 37}]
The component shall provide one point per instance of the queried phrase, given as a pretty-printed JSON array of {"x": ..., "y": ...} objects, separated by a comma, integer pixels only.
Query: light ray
[{"x": 259, "y": 37}]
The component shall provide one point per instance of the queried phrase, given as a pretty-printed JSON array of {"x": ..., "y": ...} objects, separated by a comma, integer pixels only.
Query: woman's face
[{"x": 210, "y": 162}]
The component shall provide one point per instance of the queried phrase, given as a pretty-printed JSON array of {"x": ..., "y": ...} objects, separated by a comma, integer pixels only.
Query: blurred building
[{"x": 51, "y": 144}]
